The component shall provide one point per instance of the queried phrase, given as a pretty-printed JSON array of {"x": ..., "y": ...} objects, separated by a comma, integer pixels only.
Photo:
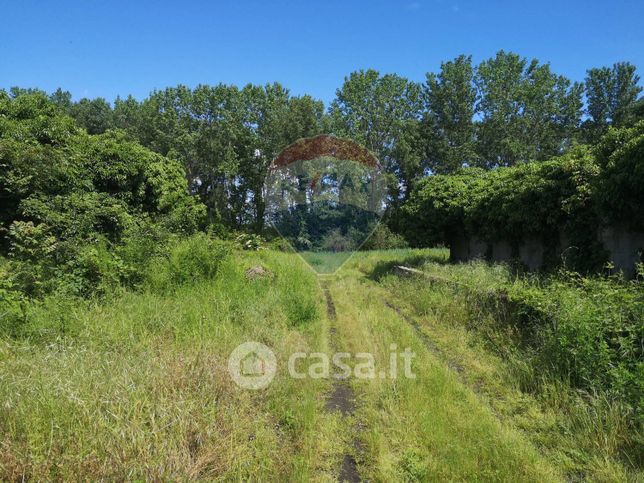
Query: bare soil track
[{"x": 342, "y": 399}]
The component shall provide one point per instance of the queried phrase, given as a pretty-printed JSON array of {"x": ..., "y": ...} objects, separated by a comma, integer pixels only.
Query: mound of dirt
[{"x": 257, "y": 272}]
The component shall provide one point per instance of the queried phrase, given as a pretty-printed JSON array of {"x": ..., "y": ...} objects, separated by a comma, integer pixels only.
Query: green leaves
[
  {"x": 576, "y": 193},
  {"x": 69, "y": 197},
  {"x": 450, "y": 99},
  {"x": 380, "y": 112},
  {"x": 527, "y": 112},
  {"x": 529, "y": 200},
  {"x": 612, "y": 96},
  {"x": 621, "y": 188},
  {"x": 225, "y": 138}
]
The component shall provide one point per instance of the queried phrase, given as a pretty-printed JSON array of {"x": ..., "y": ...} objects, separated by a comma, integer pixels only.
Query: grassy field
[
  {"x": 589, "y": 434},
  {"x": 325, "y": 263},
  {"x": 135, "y": 386}
]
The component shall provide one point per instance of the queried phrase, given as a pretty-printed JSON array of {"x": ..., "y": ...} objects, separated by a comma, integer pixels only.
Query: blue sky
[{"x": 106, "y": 48}]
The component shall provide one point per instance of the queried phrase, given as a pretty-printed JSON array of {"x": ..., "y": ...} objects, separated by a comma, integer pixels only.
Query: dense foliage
[
  {"x": 71, "y": 200},
  {"x": 585, "y": 330},
  {"x": 575, "y": 194},
  {"x": 505, "y": 111},
  {"x": 572, "y": 342},
  {"x": 96, "y": 199},
  {"x": 620, "y": 192},
  {"x": 87, "y": 184}
]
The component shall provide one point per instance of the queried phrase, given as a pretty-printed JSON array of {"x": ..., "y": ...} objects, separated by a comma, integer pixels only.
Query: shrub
[
  {"x": 96, "y": 268},
  {"x": 335, "y": 241},
  {"x": 250, "y": 241},
  {"x": 69, "y": 200},
  {"x": 12, "y": 302},
  {"x": 575, "y": 193},
  {"x": 620, "y": 190},
  {"x": 382, "y": 238},
  {"x": 31, "y": 255},
  {"x": 141, "y": 242},
  {"x": 585, "y": 330},
  {"x": 532, "y": 200},
  {"x": 436, "y": 209},
  {"x": 188, "y": 260},
  {"x": 596, "y": 336},
  {"x": 281, "y": 244}
]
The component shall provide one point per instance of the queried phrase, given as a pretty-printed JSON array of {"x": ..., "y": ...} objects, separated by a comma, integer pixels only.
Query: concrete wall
[
  {"x": 531, "y": 253},
  {"x": 624, "y": 246}
]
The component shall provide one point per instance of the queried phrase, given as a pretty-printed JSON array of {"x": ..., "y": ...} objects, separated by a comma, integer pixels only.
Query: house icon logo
[{"x": 252, "y": 365}]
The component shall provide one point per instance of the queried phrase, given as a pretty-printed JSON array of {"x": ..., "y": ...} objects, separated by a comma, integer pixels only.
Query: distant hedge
[{"x": 577, "y": 192}]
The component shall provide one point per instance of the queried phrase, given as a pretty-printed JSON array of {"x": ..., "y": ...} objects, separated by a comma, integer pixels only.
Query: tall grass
[
  {"x": 135, "y": 385},
  {"x": 427, "y": 428},
  {"x": 560, "y": 356}
]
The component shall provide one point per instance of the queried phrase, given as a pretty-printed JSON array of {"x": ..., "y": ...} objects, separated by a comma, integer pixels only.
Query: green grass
[
  {"x": 325, "y": 262},
  {"x": 431, "y": 428},
  {"x": 592, "y": 434},
  {"x": 136, "y": 387}
]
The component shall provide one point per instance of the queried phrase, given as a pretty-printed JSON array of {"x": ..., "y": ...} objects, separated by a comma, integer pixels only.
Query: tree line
[{"x": 505, "y": 111}]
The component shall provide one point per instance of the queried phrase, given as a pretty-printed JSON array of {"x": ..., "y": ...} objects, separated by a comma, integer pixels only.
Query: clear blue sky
[{"x": 106, "y": 48}]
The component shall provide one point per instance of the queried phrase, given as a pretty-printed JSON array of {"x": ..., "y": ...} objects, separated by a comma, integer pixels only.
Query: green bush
[
  {"x": 436, "y": 209},
  {"x": 335, "y": 241},
  {"x": 532, "y": 200},
  {"x": 188, "y": 260},
  {"x": 280, "y": 244},
  {"x": 585, "y": 330},
  {"x": 250, "y": 241},
  {"x": 141, "y": 242},
  {"x": 70, "y": 202},
  {"x": 575, "y": 194},
  {"x": 12, "y": 302},
  {"x": 382, "y": 238},
  {"x": 596, "y": 335},
  {"x": 620, "y": 190}
]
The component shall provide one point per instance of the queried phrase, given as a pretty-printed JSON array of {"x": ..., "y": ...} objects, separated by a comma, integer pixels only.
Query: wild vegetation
[
  {"x": 559, "y": 358},
  {"x": 135, "y": 256},
  {"x": 575, "y": 193}
]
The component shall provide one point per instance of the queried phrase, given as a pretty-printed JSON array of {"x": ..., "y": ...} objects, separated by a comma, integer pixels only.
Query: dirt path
[
  {"x": 432, "y": 426},
  {"x": 341, "y": 398}
]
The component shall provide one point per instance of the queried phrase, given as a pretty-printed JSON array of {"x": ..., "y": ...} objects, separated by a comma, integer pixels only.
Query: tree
[
  {"x": 611, "y": 95},
  {"x": 78, "y": 187},
  {"x": 448, "y": 124},
  {"x": 225, "y": 137},
  {"x": 128, "y": 115},
  {"x": 527, "y": 112},
  {"x": 94, "y": 115},
  {"x": 62, "y": 99},
  {"x": 282, "y": 120},
  {"x": 376, "y": 111}
]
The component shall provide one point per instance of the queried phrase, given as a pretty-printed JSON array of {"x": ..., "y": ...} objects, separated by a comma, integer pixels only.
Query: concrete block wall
[{"x": 624, "y": 246}]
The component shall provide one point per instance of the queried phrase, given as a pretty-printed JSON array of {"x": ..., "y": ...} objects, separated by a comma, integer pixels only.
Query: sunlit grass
[
  {"x": 325, "y": 262},
  {"x": 581, "y": 433},
  {"x": 137, "y": 387},
  {"x": 430, "y": 428}
]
